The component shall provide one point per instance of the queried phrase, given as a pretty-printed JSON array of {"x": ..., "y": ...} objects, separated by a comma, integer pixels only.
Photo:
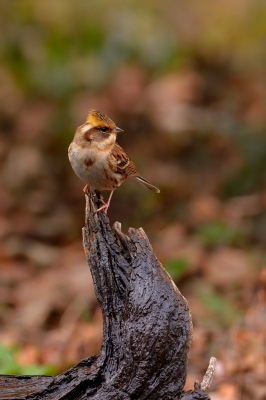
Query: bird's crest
[{"x": 97, "y": 118}]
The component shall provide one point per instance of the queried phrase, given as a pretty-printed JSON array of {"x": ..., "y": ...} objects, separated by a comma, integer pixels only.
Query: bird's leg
[
  {"x": 86, "y": 188},
  {"x": 106, "y": 205}
]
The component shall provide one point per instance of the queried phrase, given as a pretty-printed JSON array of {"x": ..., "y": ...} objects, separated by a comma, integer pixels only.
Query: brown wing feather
[{"x": 124, "y": 165}]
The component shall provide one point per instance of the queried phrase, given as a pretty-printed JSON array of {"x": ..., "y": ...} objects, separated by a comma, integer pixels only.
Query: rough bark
[{"x": 147, "y": 329}]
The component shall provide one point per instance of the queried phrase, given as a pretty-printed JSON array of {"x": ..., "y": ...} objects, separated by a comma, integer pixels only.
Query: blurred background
[{"x": 186, "y": 82}]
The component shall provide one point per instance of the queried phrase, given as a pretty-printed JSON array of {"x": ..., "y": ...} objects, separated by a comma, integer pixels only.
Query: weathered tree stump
[{"x": 147, "y": 329}]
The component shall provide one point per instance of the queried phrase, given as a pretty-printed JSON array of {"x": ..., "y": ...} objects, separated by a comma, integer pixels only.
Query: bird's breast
[{"x": 94, "y": 167}]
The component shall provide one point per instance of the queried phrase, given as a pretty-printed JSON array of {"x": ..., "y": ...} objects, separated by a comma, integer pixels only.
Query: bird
[{"x": 97, "y": 158}]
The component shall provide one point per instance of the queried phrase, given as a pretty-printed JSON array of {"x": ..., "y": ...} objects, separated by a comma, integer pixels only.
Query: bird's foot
[
  {"x": 86, "y": 188},
  {"x": 104, "y": 206}
]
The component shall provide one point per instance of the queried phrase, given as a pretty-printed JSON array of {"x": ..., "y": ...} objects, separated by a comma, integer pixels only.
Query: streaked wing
[{"x": 124, "y": 165}]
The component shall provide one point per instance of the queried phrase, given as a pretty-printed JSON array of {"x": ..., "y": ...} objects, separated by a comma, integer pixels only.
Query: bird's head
[{"x": 98, "y": 128}]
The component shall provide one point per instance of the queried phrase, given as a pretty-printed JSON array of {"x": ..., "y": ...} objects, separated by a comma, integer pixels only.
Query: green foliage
[
  {"x": 219, "y": 233},
  {"x": 43, "y": 41},
  {"x": 252, "y": 146},
  {"x": 220, "y": 309},
  {"x": 177, "y": 267},
  {"x": 10, "y": 365}
]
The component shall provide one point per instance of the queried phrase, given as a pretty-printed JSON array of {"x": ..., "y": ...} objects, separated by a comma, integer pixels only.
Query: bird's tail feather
[{"x": 147, "y": 184}]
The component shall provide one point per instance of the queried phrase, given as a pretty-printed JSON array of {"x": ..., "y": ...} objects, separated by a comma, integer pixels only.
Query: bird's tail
[{"x": 147, "y": 184}]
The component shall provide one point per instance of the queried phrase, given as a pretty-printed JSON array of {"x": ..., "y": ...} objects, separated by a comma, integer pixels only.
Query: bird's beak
[{"x": 118, "y": 130}]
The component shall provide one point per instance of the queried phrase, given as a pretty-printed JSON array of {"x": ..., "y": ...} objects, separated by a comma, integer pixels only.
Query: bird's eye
[{"x": 104, "y": 129}]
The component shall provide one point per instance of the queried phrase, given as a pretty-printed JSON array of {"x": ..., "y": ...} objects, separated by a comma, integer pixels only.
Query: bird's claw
[
  {"x": 86, "y": 188},
  {"x": 104, "y": 207}
]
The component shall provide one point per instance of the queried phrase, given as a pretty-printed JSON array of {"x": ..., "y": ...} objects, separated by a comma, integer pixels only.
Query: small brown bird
[{"x": 98, "y": 160}]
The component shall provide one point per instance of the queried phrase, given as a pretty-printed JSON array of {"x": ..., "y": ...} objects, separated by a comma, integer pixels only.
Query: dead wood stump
[{"x": 147, "y": 329}]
